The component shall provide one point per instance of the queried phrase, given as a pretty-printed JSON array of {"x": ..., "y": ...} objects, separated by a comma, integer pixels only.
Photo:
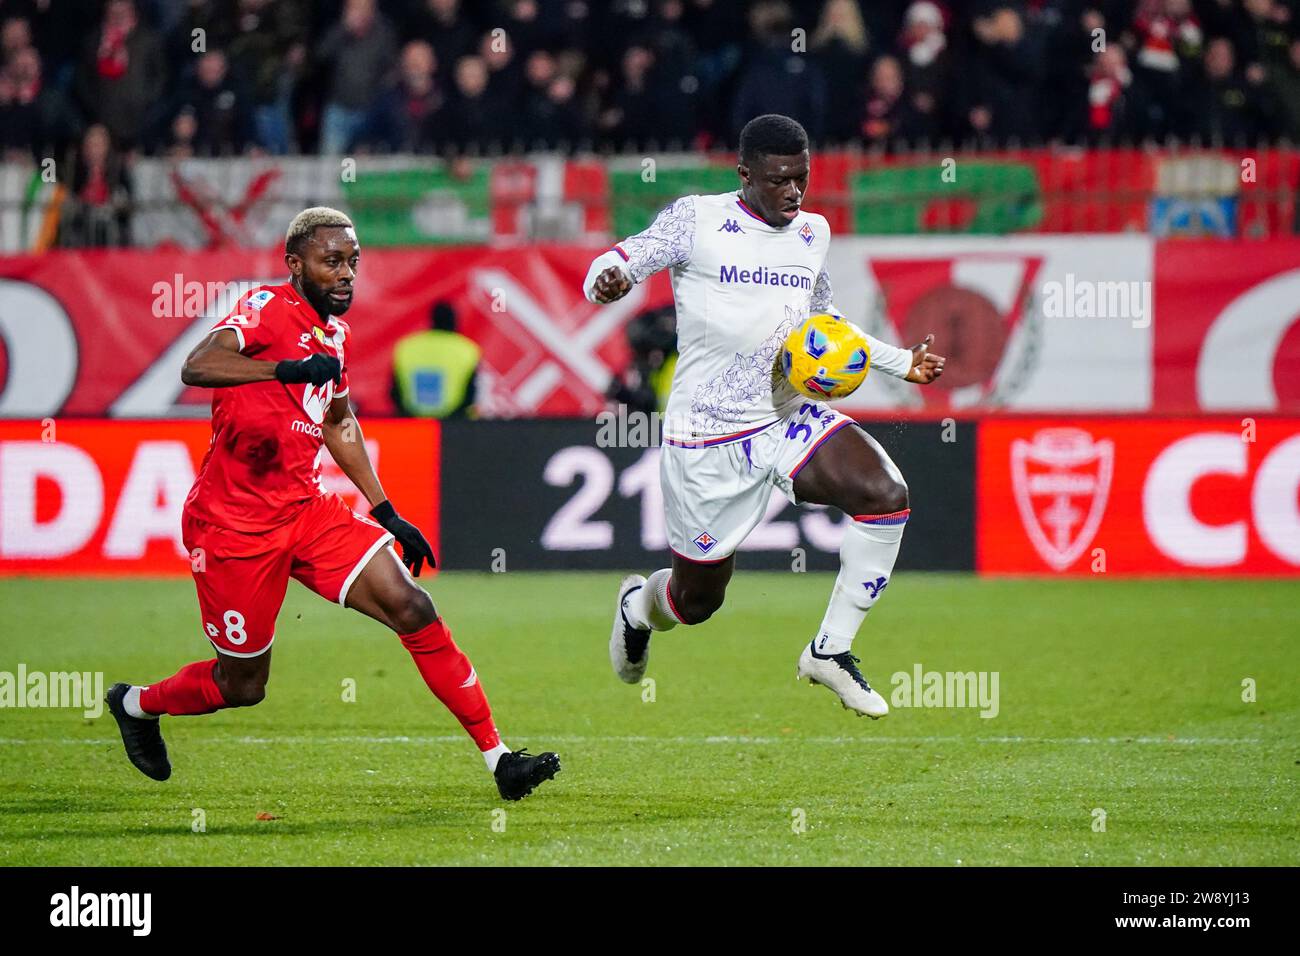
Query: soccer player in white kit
[{"x": 747, "y": 267}]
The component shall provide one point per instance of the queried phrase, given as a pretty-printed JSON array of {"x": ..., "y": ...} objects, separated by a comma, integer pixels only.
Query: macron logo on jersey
[
  {"x": 730, "y": 226},
  {"x": 791, "y": 278}
]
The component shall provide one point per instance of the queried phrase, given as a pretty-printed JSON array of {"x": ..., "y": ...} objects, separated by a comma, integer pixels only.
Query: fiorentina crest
[{"x": 1061, "y": 480}]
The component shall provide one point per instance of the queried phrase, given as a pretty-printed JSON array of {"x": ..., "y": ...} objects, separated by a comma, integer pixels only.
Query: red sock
[
  {"x": 191, "y": 690},
  {"x": 447, "y": 671}
]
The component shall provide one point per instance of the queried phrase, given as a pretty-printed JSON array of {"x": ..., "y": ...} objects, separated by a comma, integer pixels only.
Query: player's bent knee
[
  {"x": 412, "y": 611},
  {"x": 881, "y": 495},
  {"x": 696, "y": 607},
  {"x": 243, "y": 693}
]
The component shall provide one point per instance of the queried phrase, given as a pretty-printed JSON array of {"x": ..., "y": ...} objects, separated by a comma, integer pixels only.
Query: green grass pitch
[{"x": 1118, "y": 696}]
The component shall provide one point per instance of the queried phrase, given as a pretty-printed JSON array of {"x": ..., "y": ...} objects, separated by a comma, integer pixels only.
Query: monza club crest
[{"x": 1061, "y": 480}]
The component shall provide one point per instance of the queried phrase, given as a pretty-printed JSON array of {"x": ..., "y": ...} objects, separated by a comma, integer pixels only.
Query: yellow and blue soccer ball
[{"x": 825, "y": 357}]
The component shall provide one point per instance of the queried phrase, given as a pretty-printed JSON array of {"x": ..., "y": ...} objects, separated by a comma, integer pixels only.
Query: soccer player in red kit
[{"x": 258, "y": 515}]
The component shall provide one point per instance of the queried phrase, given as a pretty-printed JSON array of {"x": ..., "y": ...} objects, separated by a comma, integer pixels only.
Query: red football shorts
[{"x": 241, "y": 576}]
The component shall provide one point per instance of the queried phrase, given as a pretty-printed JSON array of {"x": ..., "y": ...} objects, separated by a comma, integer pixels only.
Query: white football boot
[
  {"x": 840, "y": 673},
  {"x": 629, "y": 647}
]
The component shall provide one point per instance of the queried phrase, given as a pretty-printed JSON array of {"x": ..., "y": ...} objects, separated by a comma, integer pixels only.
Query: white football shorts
[{"x": 716, "y": 490}]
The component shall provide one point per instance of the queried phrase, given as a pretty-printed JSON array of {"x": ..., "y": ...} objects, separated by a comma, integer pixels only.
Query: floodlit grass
[{"x": 1118, "y": 696}]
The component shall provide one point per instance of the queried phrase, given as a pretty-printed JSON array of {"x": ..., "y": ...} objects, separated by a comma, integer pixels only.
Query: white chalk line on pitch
[{"x": 732, "y": 740}]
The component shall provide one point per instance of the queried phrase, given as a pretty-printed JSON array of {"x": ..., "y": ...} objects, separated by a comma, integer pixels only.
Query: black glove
[
  {"x": 415, "y": 549},
  {"x": 317, "y": 369}
]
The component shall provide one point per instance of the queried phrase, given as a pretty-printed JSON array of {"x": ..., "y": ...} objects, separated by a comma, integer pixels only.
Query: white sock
[
  {"x": 648, "y": 607},
  {"x": 867, "y": 558},
  {"x": 131, "y": 703},
  {"x": 493, "y": 755}
]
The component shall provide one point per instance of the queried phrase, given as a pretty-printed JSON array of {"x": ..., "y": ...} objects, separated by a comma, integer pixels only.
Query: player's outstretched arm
[
  {"x": 343, "y": 438},
  {"x": 216, "y": 362},
  {"x": 917, "y": 364},
  {"x": 665, "y": 243}
]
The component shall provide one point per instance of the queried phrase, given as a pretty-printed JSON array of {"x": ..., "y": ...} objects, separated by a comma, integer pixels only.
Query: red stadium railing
[{"x": 419, "y": 200}]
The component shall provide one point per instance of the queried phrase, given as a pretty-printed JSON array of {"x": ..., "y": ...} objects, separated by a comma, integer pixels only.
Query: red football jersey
[{"x": 264, "y": 460}]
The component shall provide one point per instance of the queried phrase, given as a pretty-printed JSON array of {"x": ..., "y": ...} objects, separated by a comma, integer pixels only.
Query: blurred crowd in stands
[
  {"x": 92, "y": 84},
  {"x": 226, "y": 77}
]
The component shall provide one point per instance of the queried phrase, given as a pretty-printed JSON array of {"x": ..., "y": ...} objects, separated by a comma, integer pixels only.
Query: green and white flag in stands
[{"x": 433, "y": 202}]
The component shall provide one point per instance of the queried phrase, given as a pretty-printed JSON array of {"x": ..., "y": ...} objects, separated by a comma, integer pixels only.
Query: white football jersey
[{"x": 740, "y": 287}]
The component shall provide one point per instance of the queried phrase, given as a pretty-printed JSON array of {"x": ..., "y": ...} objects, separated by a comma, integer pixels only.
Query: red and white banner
[
  {"x": 1127, "y": 496},
  {"x": 1228, "y": 335},
  {"x": 86, "y": 497},
  {"x": 104, "y": 333},
  {"x": 1035, "y": 324},
  {"x": 1027, "y": 323}
]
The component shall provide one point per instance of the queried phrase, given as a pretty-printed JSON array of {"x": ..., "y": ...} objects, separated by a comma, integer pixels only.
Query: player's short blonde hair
[{"x": 306, "y": 222}]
